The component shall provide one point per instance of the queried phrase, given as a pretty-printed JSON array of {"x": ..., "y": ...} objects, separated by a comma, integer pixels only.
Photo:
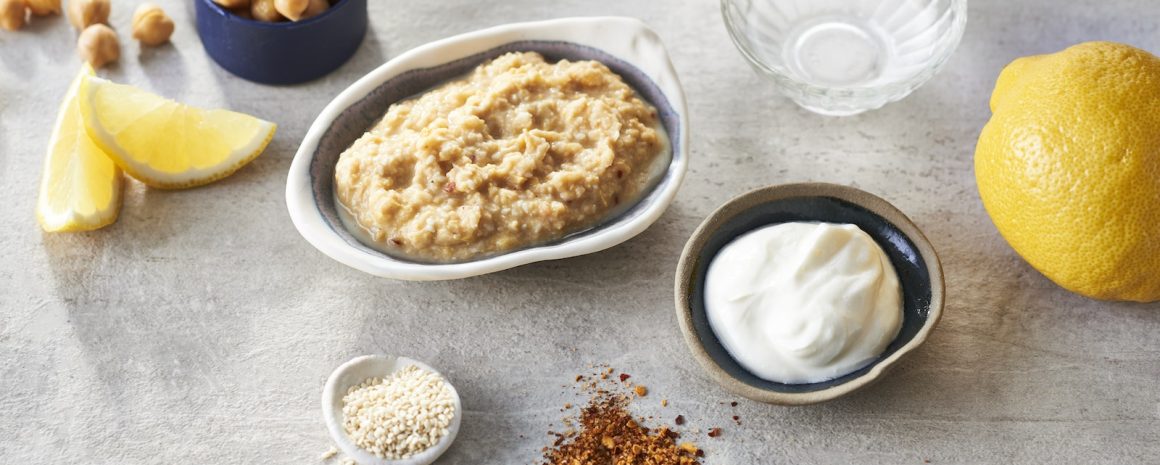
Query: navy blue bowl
[
  {"x": 914, "y": 260},
  {"x": 286, "y": 52}
]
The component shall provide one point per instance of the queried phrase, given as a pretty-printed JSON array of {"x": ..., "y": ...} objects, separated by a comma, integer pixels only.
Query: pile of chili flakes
[{"x": 609, "y": 434}]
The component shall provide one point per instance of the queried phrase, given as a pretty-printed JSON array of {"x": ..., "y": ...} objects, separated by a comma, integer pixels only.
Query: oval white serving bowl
[
  {"x": 360, "y": 369},
  {"x": 627, "y": 46}
]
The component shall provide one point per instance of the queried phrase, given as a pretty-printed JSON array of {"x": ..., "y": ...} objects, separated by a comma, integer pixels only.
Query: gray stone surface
[{"x": 200, "y": 327}]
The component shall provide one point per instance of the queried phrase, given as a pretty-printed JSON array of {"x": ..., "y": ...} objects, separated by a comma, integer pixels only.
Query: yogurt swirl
[{"x": 803, "y": 302}]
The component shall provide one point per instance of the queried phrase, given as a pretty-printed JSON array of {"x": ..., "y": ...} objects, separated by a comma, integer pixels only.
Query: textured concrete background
[{"x": 200, "y": 327}]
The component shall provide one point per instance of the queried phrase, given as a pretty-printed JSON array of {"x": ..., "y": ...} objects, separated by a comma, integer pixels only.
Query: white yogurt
[{"x": 803, "y": 302}]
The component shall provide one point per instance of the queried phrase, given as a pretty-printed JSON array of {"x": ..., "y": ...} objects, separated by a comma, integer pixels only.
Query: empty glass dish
[{"x": 842, "y": 57}]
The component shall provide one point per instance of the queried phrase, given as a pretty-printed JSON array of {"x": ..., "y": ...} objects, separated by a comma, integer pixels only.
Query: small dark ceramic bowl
[
  {"x": 915, "y": 261},
  {"x": 282, "y": 53}
]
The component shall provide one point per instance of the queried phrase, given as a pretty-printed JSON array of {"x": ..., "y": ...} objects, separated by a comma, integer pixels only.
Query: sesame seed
[
  {"x": 400, "y": 415},
  {"x": 329, "y": 454}
]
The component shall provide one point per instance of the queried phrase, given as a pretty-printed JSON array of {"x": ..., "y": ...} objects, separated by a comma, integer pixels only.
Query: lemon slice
[
  {"x": 166, "y": 144},
  {"x": 80, "y": 188}
]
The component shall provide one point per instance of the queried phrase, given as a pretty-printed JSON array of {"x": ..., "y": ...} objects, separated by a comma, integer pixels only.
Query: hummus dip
[{"x": 519, "y": 152}]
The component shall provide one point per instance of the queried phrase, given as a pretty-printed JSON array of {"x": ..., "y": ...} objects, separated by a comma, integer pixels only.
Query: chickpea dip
[{"x": 519, "y": 152}]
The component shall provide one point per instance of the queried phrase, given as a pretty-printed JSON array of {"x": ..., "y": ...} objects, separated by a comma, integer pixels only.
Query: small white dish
[
  {"x": 627, "y": 46},
  {"x": 355, "y": 372}
]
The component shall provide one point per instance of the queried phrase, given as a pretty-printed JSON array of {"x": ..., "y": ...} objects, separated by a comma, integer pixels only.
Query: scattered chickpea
[
  {"x": 12, "y": 14},
  {"x": 291, "y": 9},
  {"x": 98, "y": 45},
  {"x": 151, "y": 26},
  {"x": 264, "y": 10},
  {"x": 233, "y": 4},
  {"x": 43, "y": 7},
  {"x": 85, "y": 13},
  {"x": 315, "y": 8}
]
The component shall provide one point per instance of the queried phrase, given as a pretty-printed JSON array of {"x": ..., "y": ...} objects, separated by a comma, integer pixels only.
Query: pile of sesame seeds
[{"x": 400, "y": 415}]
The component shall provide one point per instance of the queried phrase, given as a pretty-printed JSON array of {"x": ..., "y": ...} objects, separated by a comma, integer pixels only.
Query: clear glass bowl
[{"x": 842, "y": 57}]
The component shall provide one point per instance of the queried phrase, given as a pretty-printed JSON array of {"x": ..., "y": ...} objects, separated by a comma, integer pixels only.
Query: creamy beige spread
[{"x": 519, "y": 152}]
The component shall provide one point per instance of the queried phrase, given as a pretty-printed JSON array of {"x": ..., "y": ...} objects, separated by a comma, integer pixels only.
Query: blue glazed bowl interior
[
  {"x": 353, "y": 122},
  {"x": 913, "y": 274}
]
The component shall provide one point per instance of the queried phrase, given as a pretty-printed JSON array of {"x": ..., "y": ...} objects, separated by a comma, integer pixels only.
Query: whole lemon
[{"x": 1068, "y": 167}]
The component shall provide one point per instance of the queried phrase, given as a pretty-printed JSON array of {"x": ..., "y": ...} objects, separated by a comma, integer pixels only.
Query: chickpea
[
  {"x": 233, "y": 4},
  {"x": 85, "y": 13},
  {"x": 43, "y": 7},
  {"x": 264, "y": 10},
  {"x": 98, "y": 45},
  {"x": 315, "y": 8},
  {"x": 242, "y": 12},
  {"x": 12, "y": 14},
  {"x": 292, "y": 9},
  {"x": 150, "y": 25}
]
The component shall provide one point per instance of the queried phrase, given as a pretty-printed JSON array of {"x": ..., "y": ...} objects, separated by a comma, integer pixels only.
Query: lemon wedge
[
  {"x": 166, "y": 144},
  {"x": 80, "y": 188}
]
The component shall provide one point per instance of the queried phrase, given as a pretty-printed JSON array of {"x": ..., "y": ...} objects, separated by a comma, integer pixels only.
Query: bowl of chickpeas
[{"x": 281, "y": 41}]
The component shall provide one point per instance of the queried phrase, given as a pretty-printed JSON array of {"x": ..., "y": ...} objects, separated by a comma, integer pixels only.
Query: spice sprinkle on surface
[{"x": 608, "y": 433}]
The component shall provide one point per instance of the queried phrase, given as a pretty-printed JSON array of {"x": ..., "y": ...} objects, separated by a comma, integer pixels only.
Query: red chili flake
[
  {"x": 733, "y": 404},
  {"x": 700, "y": 453},
  {"x": 396, "y": 241},
  {"x": 680, "y": 420},
  {"x": 735, "y": 418},
  {"x": 715, "y": 432},
  {"x": 624, "y": 377}
]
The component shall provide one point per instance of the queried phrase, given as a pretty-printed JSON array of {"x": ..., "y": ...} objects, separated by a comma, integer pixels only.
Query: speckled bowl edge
[{"x": 687, "y": 264}]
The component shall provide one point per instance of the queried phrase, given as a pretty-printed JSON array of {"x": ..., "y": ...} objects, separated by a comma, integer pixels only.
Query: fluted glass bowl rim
[{"x": 904, "y": 87}]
